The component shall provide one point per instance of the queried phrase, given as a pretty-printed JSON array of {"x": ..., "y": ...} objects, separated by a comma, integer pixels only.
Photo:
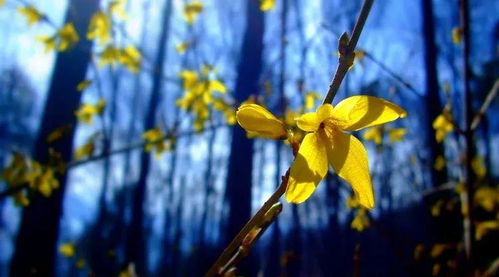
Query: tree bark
[
  {"x": 135, "y": 245},
  {"x": 239, "y": 176},
  {"x": 36, "y": 241}
]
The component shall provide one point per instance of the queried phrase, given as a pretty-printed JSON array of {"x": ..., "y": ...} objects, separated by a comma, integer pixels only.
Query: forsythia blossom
[{"x": 326, "y": 143}]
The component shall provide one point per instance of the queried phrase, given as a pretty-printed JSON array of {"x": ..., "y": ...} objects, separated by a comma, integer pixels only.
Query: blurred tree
[
  {"x": 135, "y": 245},
  {"x": 36, "y": 241},
  {"x": 239, "y": 176},
  {"x": 433, "y": 102}
]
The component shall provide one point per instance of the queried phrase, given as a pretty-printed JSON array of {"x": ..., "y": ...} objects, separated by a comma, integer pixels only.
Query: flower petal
[
  {"x": 348, "y": 157},
  {"x": 310, "y": 121},
  {"x": 308, "y": 169},
  {"x": 257, "y": 119},
  {"x": 363, "y": 111}
]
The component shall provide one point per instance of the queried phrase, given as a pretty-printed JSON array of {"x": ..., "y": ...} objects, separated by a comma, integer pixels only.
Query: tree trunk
[
  {"x": 135, "y": 246},
  {"x": 433, "y": 102},
  {"x": 239, "y": 176},
  {"x": 39, "y": 229}
]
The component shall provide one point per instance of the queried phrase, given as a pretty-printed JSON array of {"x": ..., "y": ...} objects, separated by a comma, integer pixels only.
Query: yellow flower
[
  {"x": 155, "y": 139},
  {"x": 266, "y": 5},
  {"x": 86, "y": 112},
  {"x": 83, "y": 85},
  {"x": 256, "y": 119},
  {"x": 85, "y": 150},
  {"x": 361, "y": 221},
  {"x": 310, "y": 99},
  {"x": 48, "y": 41},
  {"x": 117, "y": 8},
  {"x": 487, "y": 198},
  {"x": 182, "y": 47},
  {"x": 99, "y": 28},
  {"x": 442, "y": 125},
  {"x": 32, "y": 14},
  {"x": 58, "y": 133},
  {"x": 352, "y": 202},
  {"x": 486, "y": 227},
  {"x": 131, "y": 58},
  {"x": 2, "y": 2},
  {"x": 457, "y": 35},
  {"x": 397, "y": 134},
  {"x": 375, "y": 134},
  {"x": 80, "y": 263},
  {"x": 418, "y": 251},
  {"x": 327, "y": 143},
  {"x": 192, "y": 10},
  {"x": 67, "y": 249},
  {"x": 478, "y": 166},
  {"x": 67, "y": 37},
  {"x": 439, "y": 163}
]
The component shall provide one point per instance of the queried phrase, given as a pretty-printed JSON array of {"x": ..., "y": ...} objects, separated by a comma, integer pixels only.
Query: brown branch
[
  {"x": 483, "y": 109},
  {"x": 347, "y": 55}
]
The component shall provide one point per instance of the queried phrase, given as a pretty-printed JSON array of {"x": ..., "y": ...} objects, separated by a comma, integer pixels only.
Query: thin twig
[
  {"x": 483, "y": 109},
  {"x": 347, "y": 52},
  {"x": 136, "y": 145}
]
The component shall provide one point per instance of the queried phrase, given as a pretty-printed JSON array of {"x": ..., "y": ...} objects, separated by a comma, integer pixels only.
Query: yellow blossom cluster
[
  {"x": 192, "y": 10},
  {"x": 376, "y": 134},
  {"x": 202, "y": 94},
  {"x": 65, "y": 38},
  {"x": 86, "y": 112},
  {"x": 128, "y": 56},
  {"x": 24, "y": 171},
  {"x": 31, "y": 13},
  {"x": 156, "y": 140}
]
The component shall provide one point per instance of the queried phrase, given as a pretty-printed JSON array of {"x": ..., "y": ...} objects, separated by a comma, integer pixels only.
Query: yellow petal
[
  {"x": 255, "y": 118},
  {"x": 310, "y": 122},
  {"x": 348, "y": 157},
  {"x": 361, "y": 111},
  {"x": 308, "y": 169}
]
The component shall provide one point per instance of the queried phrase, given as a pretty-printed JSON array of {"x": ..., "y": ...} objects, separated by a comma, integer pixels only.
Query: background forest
[{"x": 120, "y": 152}]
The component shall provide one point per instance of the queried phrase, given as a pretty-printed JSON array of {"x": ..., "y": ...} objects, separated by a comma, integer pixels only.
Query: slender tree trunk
[
  {"x": 135, "y": 246},
  {"x": 39, "y": 229},
  {"x": 433, "y": 102},
  {"x": 239, "y": 179},
  {"x": 100, "y": 240}
]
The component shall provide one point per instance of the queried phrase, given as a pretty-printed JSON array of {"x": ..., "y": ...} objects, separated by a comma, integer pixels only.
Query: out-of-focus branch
[{"x": 483, "y": 109}]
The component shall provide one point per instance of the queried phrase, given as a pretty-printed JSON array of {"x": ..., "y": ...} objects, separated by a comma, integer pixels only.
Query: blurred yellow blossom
[
  {"x": 310, "y": 99},
  {"x": 478, "y": 165},
  {"x": 83, "y": 85},
  {"x": 266, "y": 5},
  {"x": 117, "y": 8},
  {"x": 99, "y": 28},
  {"x": 80, "y": 263},
  {"x": 86, "y": 112},
  {"x": 439, "y": 163},
  {"x": 67, "y": 249},
  {"x": 487, "y": 198},
  {"x": 485, "y": 227},
  {"x": 182, "y": 47},
  {"x": 375, "y": 134},
  {"x": 155, "y": 140},
  {"x": 31, "y": 13},
  {"x": 192, "y": 10},
  {"x": 397, "y": 134},
  {"x": 443, "y": 125},
  {"x": 360, "y": 221},
  {"x": 457, "y": 35}
]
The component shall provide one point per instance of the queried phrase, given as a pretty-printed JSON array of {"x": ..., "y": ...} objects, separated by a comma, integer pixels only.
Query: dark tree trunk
[
  {"x": 135, "y": 246},
  {"x": 433, "y": 102},
  {"x": 39, "y": 229},
  {"x": 239, "y": 176}
]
